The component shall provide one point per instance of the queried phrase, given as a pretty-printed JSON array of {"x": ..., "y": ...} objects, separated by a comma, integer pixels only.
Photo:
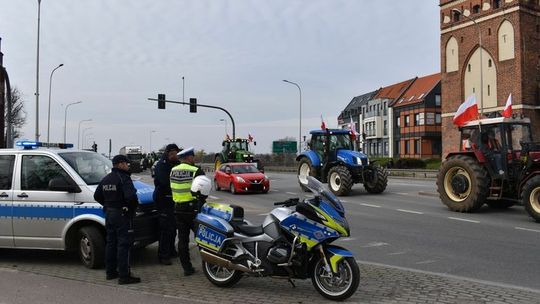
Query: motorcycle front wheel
[
  {"x": 338, "y": 286},
  {"x": 221, "y": 276}
]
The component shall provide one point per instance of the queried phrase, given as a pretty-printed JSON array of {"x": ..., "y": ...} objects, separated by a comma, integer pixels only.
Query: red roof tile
[
  {"x": 394, "y": 91},
  {"x": 418, "y": 90}
]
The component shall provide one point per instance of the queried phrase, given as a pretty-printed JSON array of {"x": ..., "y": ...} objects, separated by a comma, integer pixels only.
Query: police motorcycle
[{"x": 293, "y": 242}]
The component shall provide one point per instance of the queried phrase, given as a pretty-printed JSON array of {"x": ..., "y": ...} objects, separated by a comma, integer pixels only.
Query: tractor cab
[{"x": 327, "y": 144}]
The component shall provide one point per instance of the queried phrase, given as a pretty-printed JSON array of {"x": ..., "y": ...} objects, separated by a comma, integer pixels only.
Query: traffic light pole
[{"x": 204, "y": 106}]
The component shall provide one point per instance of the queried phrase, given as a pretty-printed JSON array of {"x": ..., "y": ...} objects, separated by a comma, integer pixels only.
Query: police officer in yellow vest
[{"x": 186, "y": 207}]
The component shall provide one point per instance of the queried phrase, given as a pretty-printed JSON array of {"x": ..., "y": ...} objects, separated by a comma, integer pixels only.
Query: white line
[
  {"x": 213, "y": 197},
  {"x": 464, "y": 220},
  {"x": 263, "y": 213},
  {"x": 343, "y": 201},
  {"x": 410, "y": 211},
  {"x": 291, "y": 193},
  {"x": 527, "y": 229},
  {"x": 398, "y": 253},
  {"x": 273, "y": 190},
  {"x": 401, "y": 193},
  {"x": 369, "y": 205},
  {"x": 425, "y": 262}
]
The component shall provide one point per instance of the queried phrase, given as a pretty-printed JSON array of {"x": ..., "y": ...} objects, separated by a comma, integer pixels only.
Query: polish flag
[
  {"x": 507, "y": 112},
  {"x": 323, "y": 124},
  {"x": 352, "y": 127},
  {"x": 467, "y": 111}
]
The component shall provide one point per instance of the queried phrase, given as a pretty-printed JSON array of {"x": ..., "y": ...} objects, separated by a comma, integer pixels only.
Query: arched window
[
  {"x": 506, "y": 41},
  {"x": 452, "y": 63},
  {"x": 473, "y": 80},
  {"x": 496, "y": 4},
  {"x": 476, "y": 9}
]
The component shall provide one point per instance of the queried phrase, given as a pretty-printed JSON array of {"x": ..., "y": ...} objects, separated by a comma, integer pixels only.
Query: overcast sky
[{"x": 233, "y": 54}]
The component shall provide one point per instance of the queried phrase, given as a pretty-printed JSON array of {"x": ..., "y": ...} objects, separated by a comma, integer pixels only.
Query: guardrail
[{"x": 414, "y": 173}]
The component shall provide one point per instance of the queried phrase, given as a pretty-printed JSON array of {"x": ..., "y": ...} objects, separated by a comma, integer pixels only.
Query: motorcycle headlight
[{"x": 240, "y": 179}]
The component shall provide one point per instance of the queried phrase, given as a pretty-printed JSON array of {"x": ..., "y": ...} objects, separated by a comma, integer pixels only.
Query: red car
[{"x": 241, "y": 177}]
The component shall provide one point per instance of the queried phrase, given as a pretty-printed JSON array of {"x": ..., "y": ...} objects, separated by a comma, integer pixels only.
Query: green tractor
[{"x": 236, "y": 150}]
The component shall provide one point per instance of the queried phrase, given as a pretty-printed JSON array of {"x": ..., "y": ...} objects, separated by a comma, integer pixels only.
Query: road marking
[
  {"x": 398, "y": 253},
  {"x": 213, "y": 197},
  {"x": 347, "y": 239},
  {"x": 401, "y": 193},
  {"x": 375, "y": 244},
  {"x": 273, "y": 190},
  {"x": 410, "y": 211},
  {"x": 343, "y": 201},
  {"x": 264, "y": 213},
  {"x": 425, "y": 262},
  {"x": 369, "y": 205},
  {"x": 464, "y": 220},
  {"x": 527, "y": 229},
  {"x": 291, "y": 193}
]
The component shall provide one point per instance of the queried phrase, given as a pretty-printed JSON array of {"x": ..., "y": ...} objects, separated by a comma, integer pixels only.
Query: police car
[{"x": 46, "y": 201}]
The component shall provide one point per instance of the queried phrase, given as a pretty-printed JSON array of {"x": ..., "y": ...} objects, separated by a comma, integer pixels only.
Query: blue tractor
[{"x": 331, "y": 159}]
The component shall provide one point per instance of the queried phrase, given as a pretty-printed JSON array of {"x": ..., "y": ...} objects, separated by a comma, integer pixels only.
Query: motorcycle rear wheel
[
  {"x": 221, "y": 276},
  {"x": 342, "y": 284}
]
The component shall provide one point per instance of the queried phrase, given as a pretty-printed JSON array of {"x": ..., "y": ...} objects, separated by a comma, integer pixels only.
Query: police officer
[
  {"x": 185, "y": 203},
  {"x": 119, "y": 199},
  {"x": 165, "y": 205}
]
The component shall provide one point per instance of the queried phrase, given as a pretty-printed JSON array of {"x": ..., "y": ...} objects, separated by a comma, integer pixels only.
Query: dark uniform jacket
[
  {"x": 116, "y": 191},
  {"x": 162, "y": 183}
]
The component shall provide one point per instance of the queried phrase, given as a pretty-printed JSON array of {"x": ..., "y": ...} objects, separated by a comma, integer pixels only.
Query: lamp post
[
  {"x": 459, "y": 12},
  {"x": 85, "y": 139},
  {"x": 183, "y": 88},
  {"x": 153, "y": 131},
  {"x": 300, "y": 128},
  {"x": 37, "y": 73},
  {"x": 226, "y": 128},
  {"x": 65, "y": 116},
  {"x": 49, "y": 111},
  {"x": 79, "y": 132}
]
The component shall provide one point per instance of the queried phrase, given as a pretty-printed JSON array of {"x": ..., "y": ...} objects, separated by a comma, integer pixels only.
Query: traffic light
[
  {"x": 193, "y": 105},
  {"x": 161, "y": 101}
]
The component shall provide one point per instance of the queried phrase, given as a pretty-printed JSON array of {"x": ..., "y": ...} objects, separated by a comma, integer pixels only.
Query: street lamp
[
  {"x": 84, "y": 137},
  {"x": 226, "y": 128},
  {"x": 183, "y": 87},
  {"x": 49, "y": 112},
  {"x": 153, "y": 131},
  {"x": 300, "y": 128},
  {"x": 459, "y": 12},
  {"x": 79, "y": 132},
  {"x": 37, "y": 73},
  {"x": 65, "y": 116}
]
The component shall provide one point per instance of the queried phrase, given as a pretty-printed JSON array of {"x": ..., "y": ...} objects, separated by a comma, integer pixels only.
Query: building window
[
  {"x": 452, "y": 60},
  {"x": 469, "y": 67},
  {"x": 385, "y": 127},
  {"x": 417, "y": 119},
  {"x": 438, "y": 100},
  {"x": 476, "y": 9},
  {"x": 407, "y": 120},
  {"x": 489, "y": 90},
  {"x": 417, "y": 147},
  {"x": 456, "y": 16},
  {"x": 407, "y": 149},
  {"x": 438, "y": 118},
  {"x": 398, "y": 147},
  {"x": 398, "y": 121},
  {"x": 490, "y": 63},
  {"x": 489, "y": 31},
  {"x": 385, "y": 148},
  {"x": 496, "y": 4},
  {"x": 506, "y": 41}
]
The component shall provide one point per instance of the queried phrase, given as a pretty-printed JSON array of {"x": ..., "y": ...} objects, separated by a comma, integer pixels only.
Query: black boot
[{"x": 129, "y": 280}]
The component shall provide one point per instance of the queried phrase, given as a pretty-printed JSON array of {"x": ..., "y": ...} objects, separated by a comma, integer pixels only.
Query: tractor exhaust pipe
[{"x": 219, "y": 261}]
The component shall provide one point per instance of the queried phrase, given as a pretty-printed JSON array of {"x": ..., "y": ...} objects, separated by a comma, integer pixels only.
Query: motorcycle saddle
[{"x": 250, "y": 230}]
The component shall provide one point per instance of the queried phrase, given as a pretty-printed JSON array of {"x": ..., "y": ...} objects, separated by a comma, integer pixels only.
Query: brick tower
[{"x": 504, "y": 35}]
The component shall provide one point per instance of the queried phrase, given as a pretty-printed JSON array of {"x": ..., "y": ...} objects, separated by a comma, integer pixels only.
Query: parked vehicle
[
  {"x": 332, "y": 159},
  {"x": 135, "y": 155},
  {"x": 47, "y": 202},
  {"x": 241, "y": 177},
  {"x": 291, "y": 243},
  {"x": 236, "y": 150},
  {"x": 497, "y": 164}
]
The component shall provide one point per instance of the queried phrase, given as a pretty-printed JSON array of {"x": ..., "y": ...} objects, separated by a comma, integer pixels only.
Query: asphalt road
[{"x": 407, "y": 226}]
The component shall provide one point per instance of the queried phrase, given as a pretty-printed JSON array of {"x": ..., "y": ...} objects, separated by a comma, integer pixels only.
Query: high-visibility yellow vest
[{"x": 181, "y": 180}]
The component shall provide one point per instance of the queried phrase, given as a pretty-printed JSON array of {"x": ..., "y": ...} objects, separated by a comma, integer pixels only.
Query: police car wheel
[{"x": 91, "y": 247}]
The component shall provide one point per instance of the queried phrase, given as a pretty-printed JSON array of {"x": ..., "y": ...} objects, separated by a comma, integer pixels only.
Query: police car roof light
[{"x": 30, "y": 144}]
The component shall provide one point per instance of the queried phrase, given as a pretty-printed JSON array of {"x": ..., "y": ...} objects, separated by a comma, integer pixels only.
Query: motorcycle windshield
[{"x": 319, "y": 189}]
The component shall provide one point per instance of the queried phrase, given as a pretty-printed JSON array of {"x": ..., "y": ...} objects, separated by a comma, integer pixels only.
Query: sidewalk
[{"x": 378, "y": 283}]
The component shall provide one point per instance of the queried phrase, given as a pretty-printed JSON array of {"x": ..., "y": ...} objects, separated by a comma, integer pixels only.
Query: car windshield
[
  {"x": 519, "y": 134},
  {"x": 239, "y": 145},
  {"x": 320, "y": 190},
  {"x": 90, "y": 166},
  {"x": 340, "y": 141},
  {"x": 244, "y": 169}
]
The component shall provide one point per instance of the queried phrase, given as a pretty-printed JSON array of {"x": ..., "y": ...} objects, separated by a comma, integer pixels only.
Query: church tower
[{"x": 490, "y": 48}]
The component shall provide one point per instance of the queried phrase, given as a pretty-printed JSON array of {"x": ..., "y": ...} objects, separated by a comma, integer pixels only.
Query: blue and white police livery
[{"x": 46, "y": 201}]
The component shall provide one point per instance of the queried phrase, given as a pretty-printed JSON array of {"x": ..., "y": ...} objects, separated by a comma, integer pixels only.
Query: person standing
[
  {"x": 165, "y": 205},
  {"x": 118, "y": 196},
  {"x": 186, "y": 205}
]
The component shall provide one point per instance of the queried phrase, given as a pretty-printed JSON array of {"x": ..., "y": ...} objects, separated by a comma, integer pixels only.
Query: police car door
[
  {"x": 39, "y": 214},
  {"x": 6, "y": 199}
]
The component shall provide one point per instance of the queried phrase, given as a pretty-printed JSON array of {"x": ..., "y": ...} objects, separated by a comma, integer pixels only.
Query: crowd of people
[{"x": 176, "y": 177}]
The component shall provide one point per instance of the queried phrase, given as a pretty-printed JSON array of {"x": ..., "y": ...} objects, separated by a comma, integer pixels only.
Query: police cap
[
  {"x": 186, "y": 152},
  {"x": 120, "y": 159}
]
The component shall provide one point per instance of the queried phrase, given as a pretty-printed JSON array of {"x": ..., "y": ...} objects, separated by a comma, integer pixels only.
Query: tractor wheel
[
  {"x": 531, "y": 197},
  {"x": 462, "y": 184},
  {"x": 500, "y": 204},
  {"x": 218, "y": 162},
  {"x": 340, "y": 180},
  {"x": 378, "y": 182},
  {"x": 305, "y": 169}
]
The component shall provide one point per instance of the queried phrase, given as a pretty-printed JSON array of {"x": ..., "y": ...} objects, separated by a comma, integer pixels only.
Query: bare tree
[{"x": 17, "y": 115}]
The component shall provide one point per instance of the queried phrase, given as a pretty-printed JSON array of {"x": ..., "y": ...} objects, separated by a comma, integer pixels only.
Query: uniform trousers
[
  {"x": 119, "y": 229},
  {"x": 185, "y": 216}
]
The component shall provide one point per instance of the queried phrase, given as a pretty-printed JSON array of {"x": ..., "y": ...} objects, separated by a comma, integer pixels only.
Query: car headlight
[
  {"x": 266, "y": 177},
  {"x": 358, "y": 160},
  {"x": 240, "y": 179}
]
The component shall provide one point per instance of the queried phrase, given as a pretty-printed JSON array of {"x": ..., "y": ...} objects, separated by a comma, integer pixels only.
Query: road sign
[{"x": 284, "y": 147}]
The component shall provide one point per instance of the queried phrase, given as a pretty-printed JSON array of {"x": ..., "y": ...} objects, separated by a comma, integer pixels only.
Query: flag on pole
[
  {"x": 353, "y": 129},
  {"x": 507, "y": 112},
  {"x": 467, "y": 111},
  {"x": 227, "y": 137},
  {"x": 323, "y": 124},
  {"x": 250, "y": 138}
]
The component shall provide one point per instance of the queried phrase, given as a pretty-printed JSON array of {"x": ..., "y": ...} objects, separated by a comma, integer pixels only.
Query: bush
[
  {"x": 409, "y": 163},
  {"x": 433, "y": 163}
]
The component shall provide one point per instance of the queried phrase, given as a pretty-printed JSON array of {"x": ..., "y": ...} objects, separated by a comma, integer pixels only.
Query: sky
[{"x": 232, "y": 54}]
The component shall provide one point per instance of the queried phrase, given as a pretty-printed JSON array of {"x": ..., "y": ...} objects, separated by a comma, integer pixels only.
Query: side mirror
[
  {"x": 223, "y": 144},
  {"x": 254, "y": 143},
  {"x": 62, "y": 184}
]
